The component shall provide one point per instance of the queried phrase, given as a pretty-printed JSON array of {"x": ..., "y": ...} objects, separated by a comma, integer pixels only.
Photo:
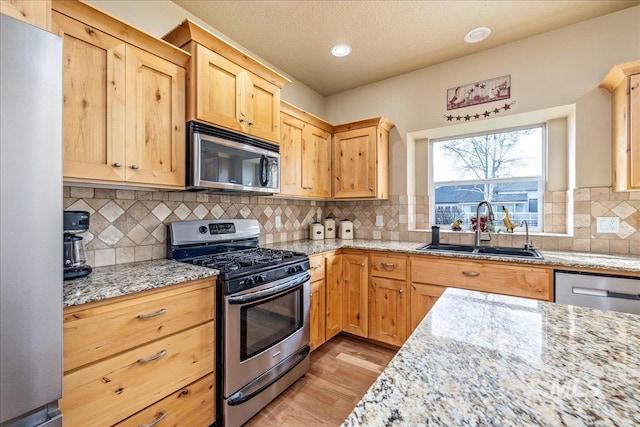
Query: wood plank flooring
[{"x": 342, "y": 370}]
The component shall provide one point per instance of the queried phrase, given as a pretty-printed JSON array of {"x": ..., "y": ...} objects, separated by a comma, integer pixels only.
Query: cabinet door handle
[
  {"x": 241, "y": 120},
  {"x": 152, "y": 315},
  {"x": 158, "y": 355},
  {"x": 401, "y": 290},
  {"x": 362, "y": 264},
  {"x": 117, "y": 165},
  {"x": 471, "y": 273},
  {"x": 135, "y": 167},
  {"x": 390, "y": 265},
  {"x": 370, "y": 188},
  {"x": 250, "y": 123},
  {"x": 159, "y": 418}
]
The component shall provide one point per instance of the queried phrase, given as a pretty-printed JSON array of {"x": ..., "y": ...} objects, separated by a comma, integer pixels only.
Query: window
[{"x": 504, "y": 167}]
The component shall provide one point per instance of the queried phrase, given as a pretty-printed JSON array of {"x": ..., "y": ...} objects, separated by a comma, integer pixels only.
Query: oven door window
[{"x": 266, "y": 323}]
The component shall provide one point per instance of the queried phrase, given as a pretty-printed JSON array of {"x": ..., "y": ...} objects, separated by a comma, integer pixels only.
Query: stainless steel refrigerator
[{"x": 30, "y": 225}]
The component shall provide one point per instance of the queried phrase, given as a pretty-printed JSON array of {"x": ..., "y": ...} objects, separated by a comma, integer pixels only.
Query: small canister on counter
[
  {"x": 345, "y": 231},
  {"x": 316, "y": 231},
  {"x": 329, "y": 228}
]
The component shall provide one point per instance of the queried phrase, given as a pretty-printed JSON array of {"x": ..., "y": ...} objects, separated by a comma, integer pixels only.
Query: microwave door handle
[{"x": 264, "y": 176}]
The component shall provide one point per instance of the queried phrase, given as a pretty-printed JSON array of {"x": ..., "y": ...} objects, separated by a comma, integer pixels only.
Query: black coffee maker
[{"x": 75, "y": 222}]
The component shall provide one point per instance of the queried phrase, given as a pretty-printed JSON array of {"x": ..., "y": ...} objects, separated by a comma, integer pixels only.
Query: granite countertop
[
  {"x": 481, "y": 359},
  {"x": 124, "y": 279},
  {"x": 558, "y": 259}
]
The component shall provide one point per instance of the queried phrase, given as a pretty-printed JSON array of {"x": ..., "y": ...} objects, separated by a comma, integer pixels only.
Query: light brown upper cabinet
[
  {"x": 35, "y": 12},
  {"x": 361, "y": 159},
  {"x": 228, "y": 88},
  {"x": 305, "y": 154},
  {"x": 623, "y": 81},
  {"x": 124, "y": 101}
]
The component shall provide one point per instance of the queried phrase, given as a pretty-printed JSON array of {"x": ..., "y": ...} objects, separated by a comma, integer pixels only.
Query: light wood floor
[{"x": 342, "y": 370}]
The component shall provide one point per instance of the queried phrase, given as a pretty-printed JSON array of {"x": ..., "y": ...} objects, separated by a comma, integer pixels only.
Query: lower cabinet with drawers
[
  {"x": 383, "y": 296},
  {"x": 144, "y": 359}
]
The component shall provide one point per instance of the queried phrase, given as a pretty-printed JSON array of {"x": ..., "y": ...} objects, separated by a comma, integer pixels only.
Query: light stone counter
[
  {"x": 622, "y": 264},
  {"x": 482, "y": 359},
  {"x": 124, "y": 279}
]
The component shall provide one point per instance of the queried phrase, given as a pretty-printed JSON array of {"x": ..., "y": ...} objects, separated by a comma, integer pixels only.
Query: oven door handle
[{"x": 266, "y": 293}]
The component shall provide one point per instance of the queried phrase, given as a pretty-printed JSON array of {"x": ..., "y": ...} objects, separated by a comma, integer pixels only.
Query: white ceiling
[{"x": 388, "y": 37}]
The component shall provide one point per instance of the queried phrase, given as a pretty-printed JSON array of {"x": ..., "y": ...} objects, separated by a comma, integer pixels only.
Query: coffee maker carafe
[{"x": 75, "y": 222}]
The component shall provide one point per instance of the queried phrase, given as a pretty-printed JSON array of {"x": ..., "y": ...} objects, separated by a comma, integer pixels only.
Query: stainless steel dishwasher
[{"x": 605, "y": 292}]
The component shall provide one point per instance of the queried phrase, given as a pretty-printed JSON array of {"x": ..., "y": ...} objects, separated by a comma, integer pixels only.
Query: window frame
[{"x": 541, "y": 180}]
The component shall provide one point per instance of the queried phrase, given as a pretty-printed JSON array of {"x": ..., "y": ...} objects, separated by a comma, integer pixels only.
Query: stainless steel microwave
[{"x": 221, "y": 160}]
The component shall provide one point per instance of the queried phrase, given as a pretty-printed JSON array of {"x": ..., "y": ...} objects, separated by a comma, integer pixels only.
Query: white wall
[
  {"x": 158, "y": 17},
  {"x": 557, "y": 68}
]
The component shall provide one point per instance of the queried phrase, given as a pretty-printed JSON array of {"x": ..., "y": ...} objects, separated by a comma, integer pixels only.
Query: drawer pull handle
[
  {"x": 315, "y": 267},
  {"x": 156, "y": 421},
  {"x": 390, "y": 265},
  {"x": 152, "y": 315},
  {"x": 158, "y": 355},
  {"x": 471, "y": 273}
]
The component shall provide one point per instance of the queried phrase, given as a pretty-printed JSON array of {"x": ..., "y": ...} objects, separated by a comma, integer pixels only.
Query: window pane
[
  {"x": 508, "y": 154},
  {"x": 460, "y": 201}
]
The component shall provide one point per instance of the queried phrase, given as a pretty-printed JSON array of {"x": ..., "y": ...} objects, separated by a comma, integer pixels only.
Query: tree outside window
[{"x": 505, "y": 168}]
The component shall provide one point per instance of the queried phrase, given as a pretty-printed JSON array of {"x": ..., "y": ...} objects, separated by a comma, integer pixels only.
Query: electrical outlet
[
  {"x": 278, "y": 221},
  {"x": 379, "y": 221},
  {"x": 607, "y": 224}
]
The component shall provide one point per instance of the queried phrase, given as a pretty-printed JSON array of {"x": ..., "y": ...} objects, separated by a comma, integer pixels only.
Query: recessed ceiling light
[
  {"x": 340, "y": 50},
  {"x": 477, "y": 35}
]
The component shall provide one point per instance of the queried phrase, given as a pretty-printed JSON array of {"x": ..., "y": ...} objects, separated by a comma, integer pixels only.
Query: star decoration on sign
[{"x": 476, "y": 116}]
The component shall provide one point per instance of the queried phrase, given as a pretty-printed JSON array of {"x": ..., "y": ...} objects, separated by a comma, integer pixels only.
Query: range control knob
[
  {"x": 250, "y": 281},
  {"x": 261, "y": 278},
  {"x": 291, "y": 270},
  {"x": 298, "y": 268},
  {"x": 202, "y": 229}
]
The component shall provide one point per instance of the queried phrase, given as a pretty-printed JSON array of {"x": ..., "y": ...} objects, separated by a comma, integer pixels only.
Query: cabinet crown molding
[
  {"x": 619, "y": 72},
  {"x": 189, "y": 31},
  {"x": 109, "y": 24}
]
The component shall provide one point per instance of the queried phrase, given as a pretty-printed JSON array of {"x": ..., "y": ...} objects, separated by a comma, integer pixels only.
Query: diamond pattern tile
[
  {"x": 135, "y": 221},
  {"x": 624, "y": 210},
  {"x": 111, "y": 235},
  {"x": 161, "y": 211}
]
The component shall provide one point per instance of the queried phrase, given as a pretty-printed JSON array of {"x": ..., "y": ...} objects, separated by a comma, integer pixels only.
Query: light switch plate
[
  {"x": 607, "y": 224},
  {"x": 278, "y": 221},
  {"x": 379, "y": 221}
]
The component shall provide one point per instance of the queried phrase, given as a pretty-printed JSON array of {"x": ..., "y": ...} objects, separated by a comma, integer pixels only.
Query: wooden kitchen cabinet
[
  {"x": 305, "y": 154},
  {"x": 355, "y": 284},
  {"x": 388, "y": 298},
  {"x": 140, "y": 353},
  {"x": 422, "y": 297},
  {"x": 34, "y": 12},
  {"x": 189, "y": 406},
  {"x": 333, "y": 299},
  {"x": 227, "y": 87},
  {"x": 623, "y": 81},
  {"x": 361, "y": 159},
  {"x": 317, "y": 301},
  {"x": 124, "y": 101},
  {"x": 522, "y": 280}
]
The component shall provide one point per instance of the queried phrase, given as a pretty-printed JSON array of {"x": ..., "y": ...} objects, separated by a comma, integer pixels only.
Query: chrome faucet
[
  {"x": 527, "y": 243},
  {"x": 490, "y": 217}
]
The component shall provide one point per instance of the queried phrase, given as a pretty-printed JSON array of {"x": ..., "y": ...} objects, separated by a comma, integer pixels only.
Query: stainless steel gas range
[{"x": 262, "y": 304}]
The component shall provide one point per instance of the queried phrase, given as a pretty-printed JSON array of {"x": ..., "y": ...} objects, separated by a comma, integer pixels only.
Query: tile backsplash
[{"x": 130, "y": 225}]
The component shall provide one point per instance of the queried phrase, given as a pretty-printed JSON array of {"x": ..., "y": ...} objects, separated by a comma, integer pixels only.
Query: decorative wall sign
[
  {"x": 480, "y": 92},
  {"x": 486, "y": 113}
]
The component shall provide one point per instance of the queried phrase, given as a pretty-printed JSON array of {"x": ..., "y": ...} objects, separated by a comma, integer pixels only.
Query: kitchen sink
[{"x": 501, "y": 251}]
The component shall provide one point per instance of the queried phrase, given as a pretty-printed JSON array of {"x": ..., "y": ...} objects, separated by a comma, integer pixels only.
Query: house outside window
[{"x": 504, "y": 167}]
